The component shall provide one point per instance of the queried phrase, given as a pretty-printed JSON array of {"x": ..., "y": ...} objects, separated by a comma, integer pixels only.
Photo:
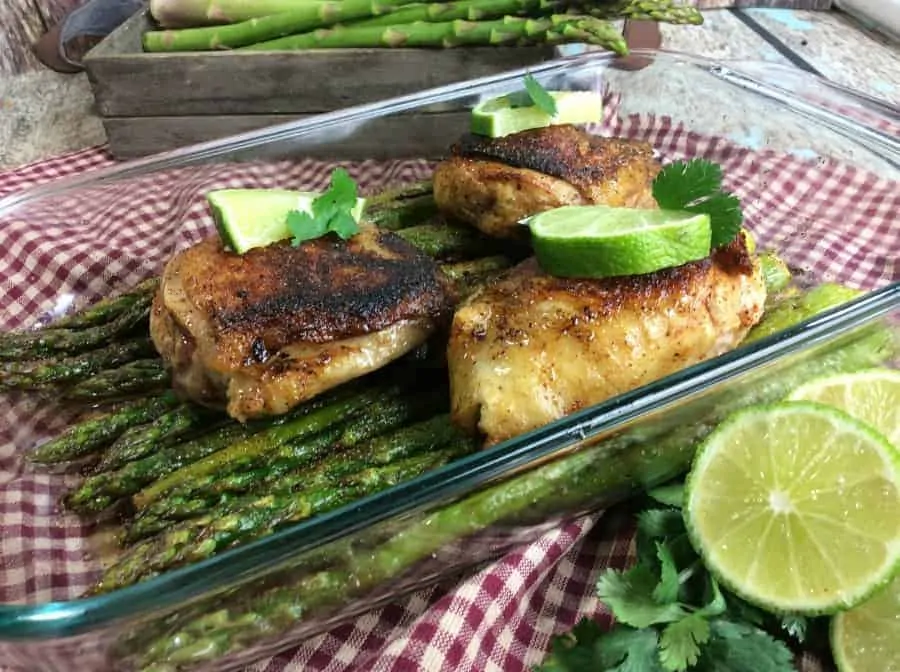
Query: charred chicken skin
[
  {"x": 532, "y": 348},
  {"x": 493, "y": 183},
  {"x": 261, "y": 332}
]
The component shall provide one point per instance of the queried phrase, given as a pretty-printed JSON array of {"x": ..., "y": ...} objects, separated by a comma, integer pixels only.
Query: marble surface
[{"x": 43, "y": 113}]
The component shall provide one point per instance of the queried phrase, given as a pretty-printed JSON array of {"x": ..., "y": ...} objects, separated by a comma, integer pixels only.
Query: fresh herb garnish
[
  {"x": 696, "y": 186},
  {"x": 671, "y": 614},
  {"x": 540, "y": 96},
  {"x": 331, "y": 212}
]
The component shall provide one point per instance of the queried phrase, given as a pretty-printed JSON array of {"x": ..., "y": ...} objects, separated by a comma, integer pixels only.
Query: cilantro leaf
[
  {"x": 655, "y": 525},
  {"x": 795, "y": 626},
  {"x": 540, "y": 96},
  {"x": 624, "y": 649},
  {"x": 671, "y": 494},
  {"x": 574, "y": 651},
  {"x": 737, "y": 647},
  {"x": 331, "y": 212},
  {"x": 666, "y": 590},
  {"x": 696, "y": 186},
  {"x": 629, "y": 595},
  {"x": 680, "y": 642}
]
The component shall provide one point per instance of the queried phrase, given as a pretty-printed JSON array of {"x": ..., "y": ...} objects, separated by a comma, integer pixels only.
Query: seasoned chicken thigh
[
  {"x": 533, "y": 348},
  {"x": 264, "y": 331},
  {"x": 493, "y": 183}
]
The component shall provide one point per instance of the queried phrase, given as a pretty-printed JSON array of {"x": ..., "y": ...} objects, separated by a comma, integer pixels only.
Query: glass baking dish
[{"x": 775, "y": 131}]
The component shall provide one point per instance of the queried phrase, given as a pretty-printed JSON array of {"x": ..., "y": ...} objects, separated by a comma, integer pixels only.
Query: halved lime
[
  {"x": 502, "y": 116},
  {"x": 867, "y": 637},
  {"x": 248, "y": 218},
  {"x": 796, "y": 507},
  {"x": 872, "y": 396},
  {"x": 597, "y": 241}
]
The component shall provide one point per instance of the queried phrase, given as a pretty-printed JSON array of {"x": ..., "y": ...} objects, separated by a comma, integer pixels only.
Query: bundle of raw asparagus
[{"x": 202, "y": 25}]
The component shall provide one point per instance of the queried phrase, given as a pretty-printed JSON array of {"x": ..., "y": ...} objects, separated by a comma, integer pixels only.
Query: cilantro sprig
[
  {"x": 696, "y": 186},
  {"x": 670, "y": 613},
  {"x": 540, "y": 96},
  {"x": 331, "y": 212}
]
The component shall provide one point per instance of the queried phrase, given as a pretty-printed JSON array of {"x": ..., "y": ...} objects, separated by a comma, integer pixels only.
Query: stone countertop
[{"x": 43, "y": 113}]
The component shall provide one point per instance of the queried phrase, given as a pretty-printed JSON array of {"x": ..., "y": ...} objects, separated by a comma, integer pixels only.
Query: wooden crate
[{"x": 154, "y": 102}]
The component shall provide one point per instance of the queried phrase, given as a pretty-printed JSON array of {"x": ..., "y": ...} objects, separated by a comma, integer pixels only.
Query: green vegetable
[
  {"x": 670, "y": 613},
  {"x": 539, "y": 95},
  {"x": 696, "y": 186},
  {"x": 97, "y": 432},
  {"x": 107, "y": 309},
  {"x": 332, "y": 212},
  {"x": 139, "y": 376}
]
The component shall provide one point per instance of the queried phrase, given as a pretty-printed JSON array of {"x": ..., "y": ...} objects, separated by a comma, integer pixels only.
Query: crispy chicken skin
[
  {"x": 264, "y": 331},
  {"x": 493, "y": 183},
  {"x": 532, "y": 348}
]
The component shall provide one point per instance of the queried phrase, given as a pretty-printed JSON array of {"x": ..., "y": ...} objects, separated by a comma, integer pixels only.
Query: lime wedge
[
  {"x": 871, "y": 396},
  {"x": 867, "y": 637},
  {"x": 501, "y": 116},
  {"x": 248, "y": 218},
  {"x": 796, "y": 507},
  {"x": 597, "y": 241}
]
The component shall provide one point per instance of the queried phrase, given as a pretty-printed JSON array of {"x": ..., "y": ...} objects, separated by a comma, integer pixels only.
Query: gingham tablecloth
[{"x": 502, "y": 618}]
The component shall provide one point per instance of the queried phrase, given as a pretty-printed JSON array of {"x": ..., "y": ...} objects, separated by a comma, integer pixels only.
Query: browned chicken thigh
[
  {"x": 261, "y": 332},
  {"x": 533, "y": 348},
  {"x": 493, "y": 183}
]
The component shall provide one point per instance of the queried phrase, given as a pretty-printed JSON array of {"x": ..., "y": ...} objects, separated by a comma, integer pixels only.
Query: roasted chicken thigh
[
  {"x": 532, "y": 348},
  {"x": 493, "y": 183},
  {"x": 261, "y": 332}
]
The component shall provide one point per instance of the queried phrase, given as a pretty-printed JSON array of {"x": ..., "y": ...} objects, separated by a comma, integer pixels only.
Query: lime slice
[
  {"x": 597, "y": 241},
  {"x": 500, "y": 116},
  {"x": 796, "y": 507},
  {"x": 871, "y": 396},
  {"x": 248, "y": 218},
  {"x": 867, "y": 637}
]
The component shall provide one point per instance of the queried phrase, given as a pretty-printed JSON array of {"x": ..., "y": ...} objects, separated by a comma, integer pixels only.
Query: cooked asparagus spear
[
  {"x": 805, "y": 304},
  {"x": 307, "y": 420},
  {"x": 142, "y": 375},
  {"x": 99, "y": 491},
  {"x": 201, "y": 538},
  {"x": 425, "y": 436},
  {"x": 137, "y": 442},
  {"x": 39, "y": 374},
  {"x": 305, "y": 16},
  {"x": 446, "y": 240},
  {"x": 107, "y": 309},
  {"x": 49, "y": 342},
  {"x": 95, "y": 433},
  {"x": 572, "y": 481},
  {"x": 408, "y": 212},
  {"x": 776, "y": 272}
]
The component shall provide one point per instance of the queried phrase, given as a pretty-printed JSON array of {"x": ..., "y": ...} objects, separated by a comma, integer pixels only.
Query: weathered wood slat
[{"x": 401, "y": 136}]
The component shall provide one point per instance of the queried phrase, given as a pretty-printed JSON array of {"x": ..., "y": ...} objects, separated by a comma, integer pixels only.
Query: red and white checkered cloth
[{"x": 835, "y": 220}]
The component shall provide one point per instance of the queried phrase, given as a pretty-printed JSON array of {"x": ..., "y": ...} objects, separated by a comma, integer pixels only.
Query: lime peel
[{"x": 498, "y": 117}]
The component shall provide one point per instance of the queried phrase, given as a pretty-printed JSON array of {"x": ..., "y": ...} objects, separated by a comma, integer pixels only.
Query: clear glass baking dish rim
[
  {"x": 64, "y": 618},
  {"x": 759, "y": 77}
]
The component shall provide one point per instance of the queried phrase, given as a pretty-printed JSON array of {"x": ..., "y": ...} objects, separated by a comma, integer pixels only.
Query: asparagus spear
[
  {"x": 34, "y": 344},
  {"x": 137, "y": 442},
  {"x": 304, "y": 421},
  {"x": 107, "y": 309},
  {"x": 141, "y": 375},
  {"x": 99, "y": 491},
  {"x": 664, "y": 11},
  {"x": 445, "y": 34},
  {"x": 445, "y": 240},
  {"x": 303, "y": 17},
  {"x": 471, "y": 10},
  {"x": 816, "y": 300},
  {"x": 38, "y": 374},
  {"x": 176, "y": 13},
  {"x": 285, "y": 475},
  {"x": 404, "y": 213},
  {"x": 93, "y": 434},
  {"x": 201, "y": 538},
  {"x": 775, "y": 271}
]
